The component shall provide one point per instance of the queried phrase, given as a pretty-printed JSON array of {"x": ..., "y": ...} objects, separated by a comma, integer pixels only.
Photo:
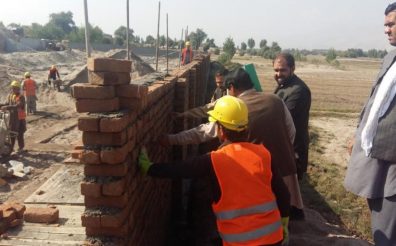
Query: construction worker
[
  {"x": 53, "y": 74},
  {"x": 187, "y": 54},
  {"x": 248, "y": 199},
  {"x": 16, "y": 105},
  {"x": 220, "y": 90},
  {"x": 29, "y": 87}
]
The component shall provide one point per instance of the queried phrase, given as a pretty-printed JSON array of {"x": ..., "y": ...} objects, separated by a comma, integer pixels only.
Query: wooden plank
[
  {"x": 62, "y": 188},
  {"x": 37, "y": 242},
  {"x": 47, "y": 236},
  {"x": 52, "y": 229}
]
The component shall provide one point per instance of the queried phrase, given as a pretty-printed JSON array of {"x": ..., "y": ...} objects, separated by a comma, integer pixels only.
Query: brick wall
[{"x": 117, "y": 118}]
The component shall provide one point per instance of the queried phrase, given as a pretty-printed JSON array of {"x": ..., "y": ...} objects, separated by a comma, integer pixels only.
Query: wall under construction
[{"x": 123, "y": 207}]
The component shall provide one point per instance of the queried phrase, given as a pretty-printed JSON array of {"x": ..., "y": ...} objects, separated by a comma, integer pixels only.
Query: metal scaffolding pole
[
  {"x": 127, "y": 33},
  {"x": 87, "y": 45},
  {"x": 180, "y": 46},
  {"x": 157, "y": 49},
  {"x": 167, "y": 46}
]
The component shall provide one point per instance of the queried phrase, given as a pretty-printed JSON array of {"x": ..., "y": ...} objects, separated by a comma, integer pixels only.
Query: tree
[
  {"x": 275, "y": 48},
  {"x": 229, "y": 47},
  {"x": 96, "y": 35},
  {"x": 162, "y": 40},
  {"x": 150, "y": 40},
  {"x": 263, "y": 43},
  {"x": 251, "y": 43},
  {"x": 331, "y": 55},
  {"x": 63, "y": 20},
  {"x": 197, "y": 38},
  {"x": 243, "y": 46},
  {"x": 120, "y": 35}
]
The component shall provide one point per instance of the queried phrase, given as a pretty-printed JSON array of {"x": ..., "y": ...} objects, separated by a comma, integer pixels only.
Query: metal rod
[
  {"x": 157, "y": 49},
  {"x": 180, "y": 46},
  {"x": 127, "y": 33},
  {"x": 87, "y": 46},
  {"x": 167, "y": 46}
]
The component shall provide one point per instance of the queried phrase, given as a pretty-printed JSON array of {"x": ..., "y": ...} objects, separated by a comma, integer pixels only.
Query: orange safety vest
[
  {"x": 21, "y": 110},
  {"x": 29, "y": 87},
  {"x": 247, "y": 213},
  {"x": 184, "y": 55}
]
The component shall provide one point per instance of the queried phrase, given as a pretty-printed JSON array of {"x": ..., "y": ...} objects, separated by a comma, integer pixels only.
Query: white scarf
[{"x": 384, "y": 96}]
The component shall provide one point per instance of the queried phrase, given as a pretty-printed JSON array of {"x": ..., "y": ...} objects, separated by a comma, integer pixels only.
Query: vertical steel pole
[
  {"x": 157, "y": 50},
  {"x": 127, "y": 33},
  {"x": 180, "y": 46},
  {"x": 87, "y": 46},
  {"x": 167, "y": 46}
]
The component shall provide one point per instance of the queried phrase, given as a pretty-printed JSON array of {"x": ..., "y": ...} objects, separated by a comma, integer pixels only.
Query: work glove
[
  {"x": 143, "y": 161},
  {"x": 285, "y": 227}
]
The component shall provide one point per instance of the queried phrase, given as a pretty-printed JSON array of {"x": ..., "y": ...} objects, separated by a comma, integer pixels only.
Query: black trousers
[{"x": 21, "y": 129}]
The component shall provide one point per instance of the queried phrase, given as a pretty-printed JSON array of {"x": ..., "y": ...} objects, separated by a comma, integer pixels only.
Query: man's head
[
  {"x": 238, "y": 81},
  {"x": 219, "y": 78},
  {"x": 390, "y": 23},
  {"x": 188, "y": 44},
  {"x": 283, "y": 67},
  {"x": 15, "y": 86},
  {"x": 53, "y": 67},
  {"x": 27, "y": 75},
  {"x": 231, "y": 116}
]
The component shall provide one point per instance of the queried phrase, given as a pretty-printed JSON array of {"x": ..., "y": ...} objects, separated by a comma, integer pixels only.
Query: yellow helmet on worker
[
  {"x": 231, "y": 113},
  {"x": 15, "y": 84},
  {"x": 53, "y": 67},
  {"x": 188, "y": 43},
  {"x": 27, "y": 75}
]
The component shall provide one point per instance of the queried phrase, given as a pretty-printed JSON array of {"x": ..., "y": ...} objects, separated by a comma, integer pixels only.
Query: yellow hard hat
[
  {"x": 230, "y": 112},
  {"x": 27, "y": 75},
  {"x": 53, "y": 67},
  {"x": 188, "y": 43},
  {"x": 15, "y": 84}
]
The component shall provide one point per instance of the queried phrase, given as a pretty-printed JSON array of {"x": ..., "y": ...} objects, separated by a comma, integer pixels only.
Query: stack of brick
[
  {"x": 11, "y": 215},
  {"x": 119, "y": 119}
]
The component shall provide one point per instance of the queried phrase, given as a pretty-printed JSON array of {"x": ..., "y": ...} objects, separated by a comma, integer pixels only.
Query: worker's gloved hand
[
  {"x": 143, "y": 161},
  {"x": 285, "y": 227}
]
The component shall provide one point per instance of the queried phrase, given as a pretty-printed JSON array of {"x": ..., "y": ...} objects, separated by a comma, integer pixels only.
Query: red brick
[
  {"x": 88, "y": 91},
  {"x": 104, "y": 139},
  {"x": 107, "y": 201},
  {"x": 115, "y": 188},
  {"x": 121, "y": 231},
  {"x": 14, "y": 206},
  {"x": 88, "y": 220},
  {"x": 88, "y": 123},
  {"x": 9, "y": 215},
  {"x": 91, "y": 189},
  {"x": 108, "y": 78},
  {"x": 114, "y": 220},
  {"x": 115, "y": 155},
  {"x": 16, "y": 222},
  {"x": 90, "y": 157},
  {"x": 132, "y": 90},
  {"x": 118, "y": 170},
  {"x": 114, "y": 124},
  {"x": 109, "y": 65},
  {"x": 133, "y": 103},
  {"x": 76, "y": 153},
  {"x": 97, "y": 105},
  {"x": 41, "y": 215}
]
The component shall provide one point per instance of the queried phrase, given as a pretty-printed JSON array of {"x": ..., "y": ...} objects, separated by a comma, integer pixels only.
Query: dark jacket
[
  {"x": 297, "y": 97},
  {"x": 267, "y": 125}
]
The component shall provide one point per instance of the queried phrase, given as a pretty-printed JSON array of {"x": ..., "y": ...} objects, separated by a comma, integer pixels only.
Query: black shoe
[{"x": 296, "y": 213}]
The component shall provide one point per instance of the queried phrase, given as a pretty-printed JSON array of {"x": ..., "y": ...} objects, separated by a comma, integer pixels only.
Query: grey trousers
[{"x": 383, "y": 220}]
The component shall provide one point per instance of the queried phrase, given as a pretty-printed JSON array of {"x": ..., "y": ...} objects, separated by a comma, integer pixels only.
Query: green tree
[
  {"x": 63, "y": 20},
  {"x": 162, "y": 40},
  {"x": 275, "y": 48},
  {"x": 120, "y": 35},
  {"x": 229, "y": 47},
  {"x": 243, "y": 46},
  {"x": 263, "y": 43},
  {"x": 150, "y": 40},
  {"x": 197, "y": 38},
  {"x": 251, "y": 43},
  {"x": 331, "y": 55}
]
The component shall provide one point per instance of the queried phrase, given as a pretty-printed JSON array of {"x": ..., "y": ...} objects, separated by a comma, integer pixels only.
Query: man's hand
[
  {"x": 350, "y": 144},
  {"x": 143, "y": 161},
  {"x": 285, "y": 227}
]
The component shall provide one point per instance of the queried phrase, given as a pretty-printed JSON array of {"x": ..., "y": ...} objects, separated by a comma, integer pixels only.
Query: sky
[{"x": 301, "y": 24}]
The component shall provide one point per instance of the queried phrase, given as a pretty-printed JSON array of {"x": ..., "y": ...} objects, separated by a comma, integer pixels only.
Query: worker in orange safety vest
[
  {"x": 247, "y": 199},
  {"x": 29, "y": 87},
  {"x": 16, "y": 105}
]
